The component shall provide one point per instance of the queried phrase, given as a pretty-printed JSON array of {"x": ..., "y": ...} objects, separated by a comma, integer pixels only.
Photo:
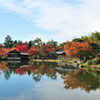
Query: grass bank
[
  {"x": 3, "y": 58},
  {"x": 47, "y": 60},
  {"x": 93, "y": 66}
]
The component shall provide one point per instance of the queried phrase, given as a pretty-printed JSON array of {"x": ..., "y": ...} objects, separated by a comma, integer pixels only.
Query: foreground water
[{"x": 47, "y": 81}]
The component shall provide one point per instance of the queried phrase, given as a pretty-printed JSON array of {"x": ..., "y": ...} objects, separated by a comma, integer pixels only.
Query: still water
[{"x": 47, "y": 81}]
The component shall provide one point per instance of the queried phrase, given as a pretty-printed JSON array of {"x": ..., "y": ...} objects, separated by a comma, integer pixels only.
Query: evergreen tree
[
  {"x": 17, "y": 43},
  {"x": 29, "y": 44},
  {"x": 61, "y": 45},
  {"x": 53, "y": 43},
  {"x": 95, "y": 37},
  {"x": 77, "y": 40},
  {"x": 84, "y": 38},
  {"x": 8, "y": 42},
  {"x": 37, "y": 41}
]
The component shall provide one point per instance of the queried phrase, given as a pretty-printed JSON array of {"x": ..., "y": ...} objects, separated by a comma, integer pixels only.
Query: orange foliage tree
[
  {"x": 21, "y": 70},
  {"x": 3, "y": 51},
  {"x": 81, "y": 79},
  {"x": 3, "y": 66},
  {"x": 79, "y": 50}
]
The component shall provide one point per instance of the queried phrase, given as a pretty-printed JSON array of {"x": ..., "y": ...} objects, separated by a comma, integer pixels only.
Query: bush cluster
[
  {"x": 3, "y": 57},
  {"x": 89, "y": 62},
  {"x": 93, "y": 61}
]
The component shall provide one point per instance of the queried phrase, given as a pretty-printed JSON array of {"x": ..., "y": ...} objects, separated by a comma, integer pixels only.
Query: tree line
[
  {"x": 33, "y": 47},
  {"x": 84, "y": 48},
  {"x": 9, "y": 43}
]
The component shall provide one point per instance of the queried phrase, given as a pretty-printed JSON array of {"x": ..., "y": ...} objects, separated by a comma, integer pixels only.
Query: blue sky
[{"x": 61, "y": 20}]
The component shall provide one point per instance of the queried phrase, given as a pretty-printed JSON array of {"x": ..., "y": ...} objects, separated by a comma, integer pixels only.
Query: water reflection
[
  {"x": 85, "y": 79},
  {"x": 82, "y": 79},
  {"x": 37, "y": 70}
]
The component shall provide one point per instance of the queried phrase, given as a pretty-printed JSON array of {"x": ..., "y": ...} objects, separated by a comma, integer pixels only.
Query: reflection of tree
[
  {"x": 36, "y": 77},
  {"x": 52, "y": 75},
  {"x": 42, "y": 71},
  {"x": 36, "y": 71},
  {"x": 7, "y": 74},
  {"x": 21, "y": 70},
  {"x": 29, "y": 72},
  {"x": 5, "y": 69},
  {"x": 81, "y": 79},
  {"x": 3, "y": 66}
]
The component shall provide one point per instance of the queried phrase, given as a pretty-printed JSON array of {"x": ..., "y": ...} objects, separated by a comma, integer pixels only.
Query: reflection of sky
[{"x": 25, "y": 88}]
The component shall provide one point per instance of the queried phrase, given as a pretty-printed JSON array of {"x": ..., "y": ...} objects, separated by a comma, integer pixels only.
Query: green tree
[
  {"x": 7, "y": 74},
  {"x": 29, "y": 44},
  {"x": 77, "y": 40},
  {"x": 42, "y": 50},
  {"x": 96, "y": 47},
  {"x": 52, "y": 43},
  {"x": 8, "y": 42},
  {"x": 14, "y": 42},
  {"x": 84, "y": 38},
  {"x": 17, "y": 43},
  {"x": 95, "y": 37},
  {"x": 37, "y": 41},
  {"x": 61, "y": 45}
]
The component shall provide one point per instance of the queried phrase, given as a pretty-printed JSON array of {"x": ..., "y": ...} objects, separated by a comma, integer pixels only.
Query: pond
[{"x": 47, "y": 81}]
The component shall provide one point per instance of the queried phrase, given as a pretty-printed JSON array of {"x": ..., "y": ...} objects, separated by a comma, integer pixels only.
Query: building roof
[
  {"x": 18, "y": 53},
  {"x": 60, "y": 49},
  {"x": 60, "y": 52},
  {"x": 14, "y": 52},
  {"x": 25, "y": 53}
]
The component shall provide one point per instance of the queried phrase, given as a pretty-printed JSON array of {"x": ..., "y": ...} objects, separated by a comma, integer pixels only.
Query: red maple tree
[
  {"x": 33, "y": 50},
  {"x": 22, "y": 48},
  {"x": 48, "y": 48}
]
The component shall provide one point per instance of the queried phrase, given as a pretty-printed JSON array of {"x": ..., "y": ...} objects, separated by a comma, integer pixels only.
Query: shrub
[
  {"x": 37, "y": 56},
  {"x": 96, "y": 61},
  {"x": 3, "y": 57},
  {"x": 89, "y": 62},
  {"x": 93, "y": 61}
]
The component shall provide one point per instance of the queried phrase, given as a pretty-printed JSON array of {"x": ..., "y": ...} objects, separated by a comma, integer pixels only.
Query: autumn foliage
[
  {"x": 1, "y": 45},
  {"x": 38, "y": 70},
  {"x": 33, "y": 50},
  {"x": 48, "y": 48},
  {"x": 99, "y": 53},
  {"x": 81, "y": 79},
  {"x": 21, "y": 70},
  {"x": 3, "y": 66},
  {"x": 43, "y": 49},
  {"x": 3, "y": 51},
  {"x": 78, "y": 50},
  {"x": 22, "y": 48}
]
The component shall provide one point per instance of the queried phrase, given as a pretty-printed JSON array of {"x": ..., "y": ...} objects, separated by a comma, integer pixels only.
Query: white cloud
[
  {"x": 34, "y": 36},
  {"x": 54, "y": 91},
  {"x": 70, "y": 20}
]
